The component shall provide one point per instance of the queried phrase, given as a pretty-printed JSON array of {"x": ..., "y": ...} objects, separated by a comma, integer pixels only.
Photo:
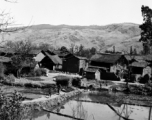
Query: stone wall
[{"x": 49, "y": 103}]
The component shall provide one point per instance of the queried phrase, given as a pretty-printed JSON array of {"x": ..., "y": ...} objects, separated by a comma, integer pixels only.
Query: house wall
[
  {"x": 97, "y": 75},
  {"x": 109, "y": 76},
  {"x": 82, "y": 64},
  {"x": 90, "y": 75},
  {"x": 71, "y": 65},
  {"x": 147, "y": 70},
  {"x": 47, "y": 63},
  {"x": 93, "y": 75},
  {"x": 99, "y": 64},
  {"x": 137, "y": 70}
]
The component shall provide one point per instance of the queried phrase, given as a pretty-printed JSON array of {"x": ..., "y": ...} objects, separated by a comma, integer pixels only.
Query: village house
[
  {"x": 112, "y": 65},
  {"x": 49, "y": 61},
  {"x": 112, "y": 62},
  {"x": 75, "y": 64},
  {"x": 92, "y": 73},
  {"x": 141, "y": 68},
  {"x": 140, "y": 65}
]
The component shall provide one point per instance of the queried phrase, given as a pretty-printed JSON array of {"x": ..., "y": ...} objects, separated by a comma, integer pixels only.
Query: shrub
[
  {"x": 62, "y": 80},
  {"x": 10, "y": 106},
  {"x": 32, "y": 74},
  {"x": 40, "y": 72},
  {"x": 37, "y": 72},
  {"x": 144, "y": 79},
  {"x": 10, "y": 78},
  {"x": 76, "y": 82}
]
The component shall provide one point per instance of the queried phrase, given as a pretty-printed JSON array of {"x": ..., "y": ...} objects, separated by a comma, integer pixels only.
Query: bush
[
  {"x": 10, "y": 107},
  {"x": 62, "y": 80},
  {"x": 32, "y": 74},
  {"x": 40, "y": 72},
  {"x": 37, "y": 72},
  {"x": 10, "y": 78},
  {"x": 76, "y": 82},
  {"x": 144, "y": 79}
]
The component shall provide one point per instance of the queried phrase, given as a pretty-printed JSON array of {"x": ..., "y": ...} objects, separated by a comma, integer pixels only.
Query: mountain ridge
[{"x": 122, "y": 36}]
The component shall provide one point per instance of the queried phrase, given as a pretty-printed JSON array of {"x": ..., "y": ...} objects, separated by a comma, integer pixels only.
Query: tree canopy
[{"x": 146, "y": 29}]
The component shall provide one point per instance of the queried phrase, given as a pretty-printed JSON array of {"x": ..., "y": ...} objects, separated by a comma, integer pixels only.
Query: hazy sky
[{"x": 75, "y": 12}]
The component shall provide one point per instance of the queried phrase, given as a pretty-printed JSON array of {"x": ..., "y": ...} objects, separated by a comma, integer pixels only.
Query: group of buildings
[{"x": 108, "y": 66}]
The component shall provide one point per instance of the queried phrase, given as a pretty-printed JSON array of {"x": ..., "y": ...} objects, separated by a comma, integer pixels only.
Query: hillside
[{"x": 122, "y": 36}]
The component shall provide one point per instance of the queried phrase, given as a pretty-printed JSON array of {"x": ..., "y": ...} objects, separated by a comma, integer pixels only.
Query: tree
[
  {"x": 146, "y": 29},
  {"x": 21, "y": 57},
  {"x": 72, "y": 48},
  {"x": 93, "y": 50}
]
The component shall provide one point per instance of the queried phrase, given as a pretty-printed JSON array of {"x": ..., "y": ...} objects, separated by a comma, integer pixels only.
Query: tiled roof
[
  {"x": 106, "y": 58},
  {"x": 139, "y": 57},
  {"x": 97, "y": 67},
  {"x": 81, "y": 58},
  {"x": 55, "y": 59},
  {"x": 35, "y": 52},
  {"x": 91, "y": 70},
  {"x": 139, "y": 64}
]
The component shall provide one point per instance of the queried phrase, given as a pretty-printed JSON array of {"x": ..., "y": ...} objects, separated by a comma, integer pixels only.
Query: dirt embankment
[{"x": 48, "y": 103}]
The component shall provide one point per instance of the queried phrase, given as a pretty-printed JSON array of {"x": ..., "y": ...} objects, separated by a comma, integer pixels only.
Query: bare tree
[{"x": 6, "y": 21}]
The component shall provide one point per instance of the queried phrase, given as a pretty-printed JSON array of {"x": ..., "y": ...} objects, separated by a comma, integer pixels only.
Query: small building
[
  {"x": 140, "y": 69},
  {"x": 74, "y": 64},
  {"x": 92, "y": 73}
]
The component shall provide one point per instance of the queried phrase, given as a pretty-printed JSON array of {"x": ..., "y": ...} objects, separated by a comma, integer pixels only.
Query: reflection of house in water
[{"x": 112, "y": 63}]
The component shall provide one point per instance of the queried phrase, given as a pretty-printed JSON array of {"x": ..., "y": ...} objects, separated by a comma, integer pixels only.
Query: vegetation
[
  {"x": 22, "y": 56},
  {"x": 2, "y": 70},
  {"x": 38, "y": 72},
  {"x": 82, "y": 51},
  {"x": 10, "y": 107},
  {"x": 146, "y": 28}
]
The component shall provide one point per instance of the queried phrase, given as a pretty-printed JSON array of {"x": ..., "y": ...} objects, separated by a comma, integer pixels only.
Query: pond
[
  {"x": 27, "y": 93},
  {"x": 93, "y": 107}
]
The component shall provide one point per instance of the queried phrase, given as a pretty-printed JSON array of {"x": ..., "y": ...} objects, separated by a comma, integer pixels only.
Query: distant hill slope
[{"x": 122, "y": 36}]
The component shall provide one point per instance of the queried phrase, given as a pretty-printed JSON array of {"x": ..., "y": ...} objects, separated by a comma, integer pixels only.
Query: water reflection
[
  {"x": 124, "y": 111},
  {"x": 96, "y": 111}
]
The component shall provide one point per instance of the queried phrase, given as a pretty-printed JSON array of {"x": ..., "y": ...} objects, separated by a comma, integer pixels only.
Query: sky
[{"x": 75, "y": 12}]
